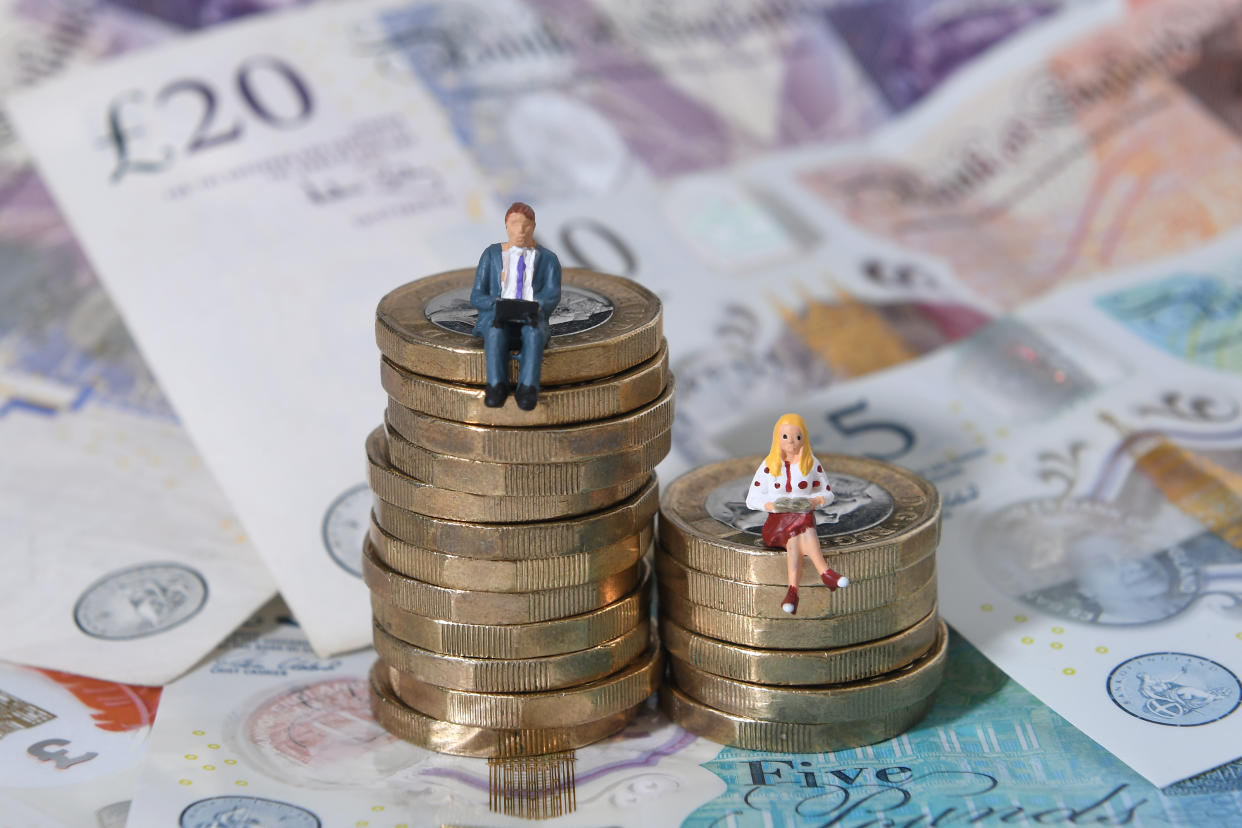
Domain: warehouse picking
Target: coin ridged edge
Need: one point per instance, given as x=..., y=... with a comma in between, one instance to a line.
x=764, y=600
x=558, y=405
x=510, y=675
x=863, y=554
x=800, y=667
x=481, y=607
x=567, y=706
x=524, y=479
x=762, y=565
x=793, y=633
x=464, y=572
x=465, y=740
x=609, y=526
x=851, y=701
x=534, y=640
x=786, y=737
x=532, y=444
x=638, y=338
x=409, y=493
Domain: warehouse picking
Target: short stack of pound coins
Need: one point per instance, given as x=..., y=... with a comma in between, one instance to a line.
x=853, y=666
x=506, y=552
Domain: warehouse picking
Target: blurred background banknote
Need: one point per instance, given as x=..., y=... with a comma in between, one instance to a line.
x=817, y=192
x=123, y=559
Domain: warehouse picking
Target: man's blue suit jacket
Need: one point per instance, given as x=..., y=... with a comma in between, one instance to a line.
x=545, y=284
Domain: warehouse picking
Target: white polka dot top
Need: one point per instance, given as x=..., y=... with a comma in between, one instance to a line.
x=787, y=481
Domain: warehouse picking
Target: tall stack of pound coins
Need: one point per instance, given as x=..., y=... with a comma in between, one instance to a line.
x=506, y=552
x=853, y=666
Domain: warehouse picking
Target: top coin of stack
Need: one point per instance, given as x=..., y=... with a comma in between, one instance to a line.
x=854, y=665
x=505, y=553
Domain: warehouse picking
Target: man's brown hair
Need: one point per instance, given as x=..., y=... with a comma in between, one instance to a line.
x=520, y=207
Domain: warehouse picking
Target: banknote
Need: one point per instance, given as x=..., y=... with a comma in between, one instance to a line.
x=1088, y=449
x=1114, y=148
x=124, y=560
x=264, y=341
x=264, y=731
x=70, y=748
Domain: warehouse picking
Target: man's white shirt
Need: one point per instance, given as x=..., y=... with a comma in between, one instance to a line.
x=508, y=274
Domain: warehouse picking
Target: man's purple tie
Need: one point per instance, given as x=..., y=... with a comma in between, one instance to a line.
x=521, y=273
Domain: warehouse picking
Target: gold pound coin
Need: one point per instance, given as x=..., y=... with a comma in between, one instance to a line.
x=525, y=479
x=617, y=527
x=410, y=493
x=764, y=600
x=786, y=737
x=466, y=740
x=481, y=607
x=566, y=707
x=799, y=667
x=852, y=701
x=536, y=445
x=793, y=632
x=510, y=675
x=558, y=405
x=883, y=519
x=603, y=326
x=542, y=638
x=461, y=572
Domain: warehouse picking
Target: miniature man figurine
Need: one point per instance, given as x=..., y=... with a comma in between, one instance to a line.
x=516, y=288
x=790, y=485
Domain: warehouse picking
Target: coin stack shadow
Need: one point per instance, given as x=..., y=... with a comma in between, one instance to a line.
x=851, y=667
x=506, y=551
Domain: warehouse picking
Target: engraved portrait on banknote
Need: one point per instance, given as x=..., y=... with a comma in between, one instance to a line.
x=139, y=601
x=1126, y=550
x=580, y=309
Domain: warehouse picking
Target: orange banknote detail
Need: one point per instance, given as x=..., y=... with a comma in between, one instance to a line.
x=1119, y=148
x=118, y=707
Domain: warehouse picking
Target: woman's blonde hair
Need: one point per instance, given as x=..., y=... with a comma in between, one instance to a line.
x=774, y=462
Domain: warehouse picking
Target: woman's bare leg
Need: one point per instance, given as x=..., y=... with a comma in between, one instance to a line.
x=808, y=544
x=793, y=560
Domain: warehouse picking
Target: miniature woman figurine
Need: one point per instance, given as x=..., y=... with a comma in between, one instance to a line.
x=790, y=485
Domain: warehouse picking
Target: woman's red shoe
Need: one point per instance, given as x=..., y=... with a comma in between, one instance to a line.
x=790, y=604
x=834, y=581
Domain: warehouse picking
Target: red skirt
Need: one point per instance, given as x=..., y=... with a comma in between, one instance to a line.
x=779, y=528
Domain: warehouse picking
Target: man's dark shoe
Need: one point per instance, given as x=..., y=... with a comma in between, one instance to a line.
x=526, y=396
x=495, y=395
